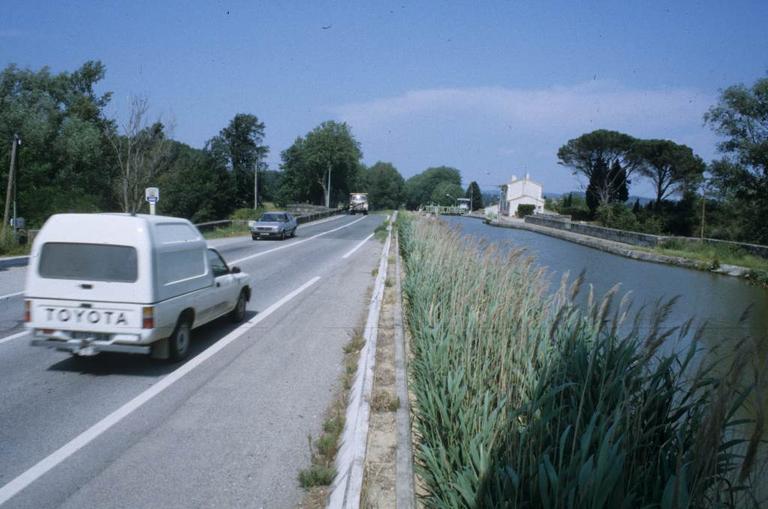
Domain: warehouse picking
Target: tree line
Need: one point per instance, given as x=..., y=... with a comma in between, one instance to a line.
x=727, y=198
x=74, y=158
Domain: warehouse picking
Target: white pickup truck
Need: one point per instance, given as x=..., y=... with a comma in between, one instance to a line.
x=126, y=283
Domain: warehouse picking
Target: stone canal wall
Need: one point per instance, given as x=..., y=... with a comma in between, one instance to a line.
x=635, y=238
x=619, y=248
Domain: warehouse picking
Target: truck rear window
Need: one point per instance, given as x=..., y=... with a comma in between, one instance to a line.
x=90, y=262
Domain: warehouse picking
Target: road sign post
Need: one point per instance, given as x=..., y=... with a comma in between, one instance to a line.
x=152, y=195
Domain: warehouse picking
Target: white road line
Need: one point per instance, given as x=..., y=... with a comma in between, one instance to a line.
x=351, y=251
x=11, y=295
x=262, y=253
x=83, y=439
x=14, y=336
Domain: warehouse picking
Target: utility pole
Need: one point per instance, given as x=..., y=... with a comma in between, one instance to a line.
x=256, y=184
x=328, y=191
x=703, y=209
x=16, y=141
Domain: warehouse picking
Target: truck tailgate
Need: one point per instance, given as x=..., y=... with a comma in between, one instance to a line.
x=84, y=316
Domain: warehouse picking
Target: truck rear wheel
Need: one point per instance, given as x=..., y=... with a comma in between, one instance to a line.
x=178, y=343
x=238, y=313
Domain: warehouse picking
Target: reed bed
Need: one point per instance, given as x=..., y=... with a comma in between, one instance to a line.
x=525, y=399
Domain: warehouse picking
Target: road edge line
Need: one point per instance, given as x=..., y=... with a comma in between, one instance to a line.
x=350, y=460
x=45, y=465
x=14, y=336
x=358, y=246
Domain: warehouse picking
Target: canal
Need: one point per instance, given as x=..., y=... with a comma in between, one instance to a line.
x=715, y=299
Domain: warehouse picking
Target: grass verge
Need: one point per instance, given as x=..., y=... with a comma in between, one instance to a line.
x=524, y=399
x=235, y=230
x=713, y=255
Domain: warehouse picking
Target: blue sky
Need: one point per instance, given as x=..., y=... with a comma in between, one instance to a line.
x=492, y=88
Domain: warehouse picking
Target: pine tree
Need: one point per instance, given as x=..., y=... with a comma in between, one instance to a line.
x=617, y=179
x=597, y=183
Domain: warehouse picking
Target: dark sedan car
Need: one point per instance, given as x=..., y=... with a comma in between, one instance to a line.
x=274, y=225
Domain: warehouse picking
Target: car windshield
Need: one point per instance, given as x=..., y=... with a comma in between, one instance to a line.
x=271, y=218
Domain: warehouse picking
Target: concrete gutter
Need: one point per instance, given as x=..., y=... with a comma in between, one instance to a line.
x=621, y=249
x=404, y=484
x=350, y=461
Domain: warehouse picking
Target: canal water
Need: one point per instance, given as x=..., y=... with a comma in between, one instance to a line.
x=715, y=299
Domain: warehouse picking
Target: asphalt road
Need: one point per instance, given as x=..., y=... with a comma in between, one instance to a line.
x=228, y=428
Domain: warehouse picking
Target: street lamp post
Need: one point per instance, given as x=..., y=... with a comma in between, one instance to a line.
x=16, y=142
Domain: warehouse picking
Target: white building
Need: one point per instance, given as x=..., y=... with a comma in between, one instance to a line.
x=521, y=192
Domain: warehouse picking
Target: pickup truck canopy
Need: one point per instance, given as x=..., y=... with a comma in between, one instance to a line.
x=117, y=258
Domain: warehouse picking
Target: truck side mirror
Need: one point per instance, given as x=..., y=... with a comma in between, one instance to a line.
x=235, y=269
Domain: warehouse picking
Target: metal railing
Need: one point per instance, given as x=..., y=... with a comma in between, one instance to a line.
x=302, y=218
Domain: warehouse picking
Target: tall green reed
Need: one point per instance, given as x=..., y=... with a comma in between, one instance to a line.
x=526, y=399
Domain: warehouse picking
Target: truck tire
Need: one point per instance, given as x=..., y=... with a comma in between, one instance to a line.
x=178, y=343
x=238, y=313
x=254, y=236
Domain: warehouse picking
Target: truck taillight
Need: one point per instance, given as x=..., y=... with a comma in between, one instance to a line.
x=148, y=317
x=27, y=311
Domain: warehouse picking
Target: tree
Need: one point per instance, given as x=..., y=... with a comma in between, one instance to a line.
x=597, y=179
x=143, y=153
x=65, y=162
x=445, y=193
x=420, y=187
x=197, y=186
x=475, y=195
x=618, y=189
x=239, y=146
x=384, y=185
x=327, y=153
x=741, y=176
x=598, y=151
x=671, y=167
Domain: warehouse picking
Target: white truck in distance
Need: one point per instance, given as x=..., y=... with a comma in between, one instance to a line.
x=126, y=283
x=358, y=202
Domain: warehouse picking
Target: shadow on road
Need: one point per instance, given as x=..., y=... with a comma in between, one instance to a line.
x=107, y=363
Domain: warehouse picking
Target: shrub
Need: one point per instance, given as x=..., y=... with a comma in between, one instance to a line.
x=525, y=210
x=247, y=214
x=617, y=215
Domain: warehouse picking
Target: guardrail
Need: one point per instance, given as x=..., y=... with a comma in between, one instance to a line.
x=304, y=218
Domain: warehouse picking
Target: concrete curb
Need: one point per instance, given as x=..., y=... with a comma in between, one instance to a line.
x=404, y=487
x=350, y=461
x=617, y=248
